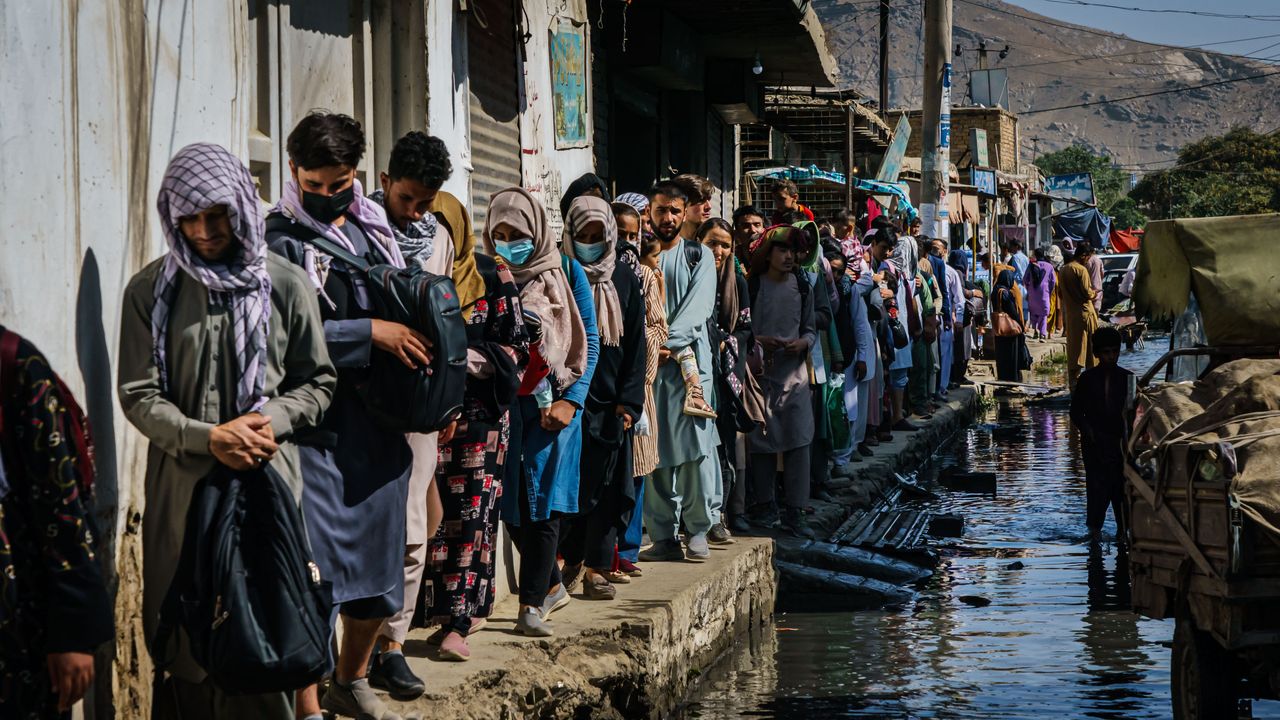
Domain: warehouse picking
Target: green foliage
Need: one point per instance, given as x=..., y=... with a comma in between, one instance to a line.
x=1125, y=214
x=1108, y=182
x=1233, y=174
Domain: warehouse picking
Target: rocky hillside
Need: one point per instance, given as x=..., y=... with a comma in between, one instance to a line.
x=1052, y=63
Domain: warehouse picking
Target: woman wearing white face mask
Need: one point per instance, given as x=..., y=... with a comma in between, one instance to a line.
x=542, y=469
x=614, y=403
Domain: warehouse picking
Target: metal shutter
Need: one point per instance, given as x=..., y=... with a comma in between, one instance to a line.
x=494, y=102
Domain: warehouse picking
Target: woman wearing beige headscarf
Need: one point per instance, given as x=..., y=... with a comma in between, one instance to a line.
x=542, y=472
x=606, y=492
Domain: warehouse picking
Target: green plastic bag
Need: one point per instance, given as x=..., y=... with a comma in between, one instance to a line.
x=837, y=420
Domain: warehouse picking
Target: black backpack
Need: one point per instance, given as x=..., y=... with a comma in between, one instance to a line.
x=246, y=592
x=400, y=399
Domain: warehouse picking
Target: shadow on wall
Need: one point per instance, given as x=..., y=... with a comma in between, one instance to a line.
x=99, y=391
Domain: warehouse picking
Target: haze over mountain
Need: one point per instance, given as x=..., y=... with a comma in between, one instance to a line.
x=1053, y=64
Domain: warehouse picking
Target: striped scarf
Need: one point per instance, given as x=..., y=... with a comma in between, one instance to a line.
x=199, y=177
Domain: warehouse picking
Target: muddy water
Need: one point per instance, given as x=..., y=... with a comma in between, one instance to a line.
x=1057, y=639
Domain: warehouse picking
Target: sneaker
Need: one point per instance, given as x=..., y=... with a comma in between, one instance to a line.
x=844, y=471
x=596, y=587
x=629, y=568
x=719, y=535
x=356, y=700
x=794, y=521
x=555, y=601
x=390, y=671
x=698, y=549
x=455, y=648
x=531, y=623
x=663, y=551
x=739, y=524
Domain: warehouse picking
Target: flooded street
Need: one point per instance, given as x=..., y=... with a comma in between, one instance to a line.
x=1057, y=638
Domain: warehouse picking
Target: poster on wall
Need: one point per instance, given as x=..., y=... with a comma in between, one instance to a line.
x=569, y=85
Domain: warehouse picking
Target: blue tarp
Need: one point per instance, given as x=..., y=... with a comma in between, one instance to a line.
x=813, y=172
x=1084, y=224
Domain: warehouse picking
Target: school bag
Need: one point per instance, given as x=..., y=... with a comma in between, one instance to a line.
x=402, y=399
x=246, y=592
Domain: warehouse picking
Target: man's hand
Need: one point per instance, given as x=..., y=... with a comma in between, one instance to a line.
x=446, y=435
x=624, y=416
x=69, y=676
x=769, y=343
x=859, y=370
x=243, y=443
x=558, y=416
x=411, y=346
x=664, y=354
x=796, y=347
x=885, y=293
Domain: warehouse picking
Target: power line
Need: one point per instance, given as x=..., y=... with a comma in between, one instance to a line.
x=1172, y=11
x=1152, y=94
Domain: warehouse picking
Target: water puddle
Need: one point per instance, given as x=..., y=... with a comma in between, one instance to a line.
x=1044, y=629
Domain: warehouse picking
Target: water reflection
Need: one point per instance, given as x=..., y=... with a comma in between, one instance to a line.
x=1057, y=638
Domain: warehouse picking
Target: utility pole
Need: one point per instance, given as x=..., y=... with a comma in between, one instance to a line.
x=936, y=120
x=884, y=60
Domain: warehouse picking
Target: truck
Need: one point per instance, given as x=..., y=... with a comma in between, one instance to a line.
x=1202, y=461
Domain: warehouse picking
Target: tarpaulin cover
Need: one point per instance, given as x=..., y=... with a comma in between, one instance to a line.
x=1229, y=419
x=1125, y=241
x=1088, y=223
x=1230, y=264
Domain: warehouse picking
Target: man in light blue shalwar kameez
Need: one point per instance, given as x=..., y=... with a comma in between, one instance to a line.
x=686, y=485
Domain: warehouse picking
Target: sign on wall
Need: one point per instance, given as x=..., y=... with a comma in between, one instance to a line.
x=891, y=165
x=569, y=85
x=984, y=180
x=1077, y=186
x=978, y=145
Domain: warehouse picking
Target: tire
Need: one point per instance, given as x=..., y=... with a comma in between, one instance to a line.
x=1205, y=684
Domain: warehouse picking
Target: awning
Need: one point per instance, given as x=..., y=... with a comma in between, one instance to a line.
x=813, y=174
x=1125, y=241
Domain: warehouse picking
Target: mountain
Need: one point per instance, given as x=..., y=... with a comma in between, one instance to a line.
x=1052, y=64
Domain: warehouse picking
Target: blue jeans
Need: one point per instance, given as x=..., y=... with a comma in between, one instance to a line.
x=629, y=543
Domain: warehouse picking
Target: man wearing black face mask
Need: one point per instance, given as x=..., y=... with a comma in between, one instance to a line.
x=355, y=474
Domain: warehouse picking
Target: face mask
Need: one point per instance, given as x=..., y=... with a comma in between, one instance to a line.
x=589, y=252
x=328, y=209
x=516, y=252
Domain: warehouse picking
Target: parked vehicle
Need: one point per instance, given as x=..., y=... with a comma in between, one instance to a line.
x=1202, y=487
x=1114, y=268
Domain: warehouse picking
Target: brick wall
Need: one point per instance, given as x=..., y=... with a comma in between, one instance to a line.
x=1002, y=137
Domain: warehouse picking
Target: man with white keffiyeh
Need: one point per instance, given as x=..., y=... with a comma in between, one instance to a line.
x=222, y=360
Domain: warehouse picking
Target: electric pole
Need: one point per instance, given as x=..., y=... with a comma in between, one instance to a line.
x=936, y=120
x=884, y=59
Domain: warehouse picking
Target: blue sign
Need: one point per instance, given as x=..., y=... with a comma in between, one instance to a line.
x=984, y=180
x=944, y=131
x=946, y=75
x=1076, y=186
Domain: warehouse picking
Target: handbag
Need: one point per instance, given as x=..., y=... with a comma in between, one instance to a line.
x=1004, y=323
x=399, y=398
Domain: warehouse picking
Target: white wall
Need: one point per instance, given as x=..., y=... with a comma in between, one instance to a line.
x=447, y=90
x=546, y=170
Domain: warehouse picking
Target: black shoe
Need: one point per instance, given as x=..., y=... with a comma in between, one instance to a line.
x=390, y=672
x=822, y=494
x=864, y=451
x=904, y=425
x=764, y=517
x=739, y=525
x=794, y=521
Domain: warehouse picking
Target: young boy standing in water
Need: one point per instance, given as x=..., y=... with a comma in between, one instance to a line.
x=1097, y=411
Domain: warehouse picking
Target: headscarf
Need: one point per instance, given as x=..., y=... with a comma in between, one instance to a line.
x=467, y=279
x=774, y=235
x=635, y=200
x=199, y=177
x=577, y=188
x=368, y=214
x=417, y=242
x=1054, y=253
x=544, y=288
x=728, y=302
x=808, y=241
x=958, y=260
x=1004, y=281
x=582, y=212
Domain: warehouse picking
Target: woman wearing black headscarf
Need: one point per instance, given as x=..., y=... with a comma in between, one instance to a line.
x=588, y=184
x=1010, y=349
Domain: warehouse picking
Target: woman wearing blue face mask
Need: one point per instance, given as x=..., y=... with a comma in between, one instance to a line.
x=606, y=492
x=541, y=475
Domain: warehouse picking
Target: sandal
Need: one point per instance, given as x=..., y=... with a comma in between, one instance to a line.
x=615, y=577
x=570, y=577
x=629, y=568
x=695, y=404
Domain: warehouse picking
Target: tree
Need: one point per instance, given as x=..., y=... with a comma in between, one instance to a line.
x=1233, y=174
x=1108, y=181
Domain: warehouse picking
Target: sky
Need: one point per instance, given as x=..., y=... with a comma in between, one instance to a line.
x=1177, y=29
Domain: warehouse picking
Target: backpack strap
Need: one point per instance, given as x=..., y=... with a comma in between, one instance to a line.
x=282, y=224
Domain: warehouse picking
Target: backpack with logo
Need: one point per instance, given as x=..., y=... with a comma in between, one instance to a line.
x=246, y=593
x=402, y=399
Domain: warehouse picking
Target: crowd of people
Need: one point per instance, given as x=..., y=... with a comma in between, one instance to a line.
x=653, y=369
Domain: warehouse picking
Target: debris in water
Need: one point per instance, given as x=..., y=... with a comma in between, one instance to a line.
x=978, y=482
x=810, y=589
x=855, y=561
x=946, y=526
x=1015, y=565
x=974, y=600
